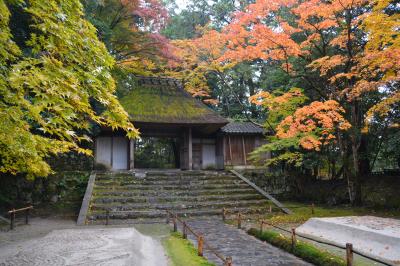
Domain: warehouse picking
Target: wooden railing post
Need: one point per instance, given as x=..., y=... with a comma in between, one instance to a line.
x=349, y=254
x=27, y=216
x=239, y=220
x=12, y=219
x=200, y=242
x=184, y=231
x=223, y=214
x=228, y=261
x=175, y=224
x=107, y=216
x=261, y=226
x=312, y=209
x=293, y=238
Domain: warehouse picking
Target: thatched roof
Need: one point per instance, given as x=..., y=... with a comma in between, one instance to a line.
x=164, y=100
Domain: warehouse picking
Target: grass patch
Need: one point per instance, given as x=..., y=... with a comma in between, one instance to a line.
x=303, y=250
x=182, y=253
x=302, y=212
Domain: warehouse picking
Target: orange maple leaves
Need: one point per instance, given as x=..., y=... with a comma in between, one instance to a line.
x=315, y=123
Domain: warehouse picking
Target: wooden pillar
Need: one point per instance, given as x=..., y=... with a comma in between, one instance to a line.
x=244, y=151
x=132, y=154
x=230, y=150
x=190, y=149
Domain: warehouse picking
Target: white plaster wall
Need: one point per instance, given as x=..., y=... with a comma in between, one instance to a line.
x=103, y=151
x=120, y=153
x=112, y=152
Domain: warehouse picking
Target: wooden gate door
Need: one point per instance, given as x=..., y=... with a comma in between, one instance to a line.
x=196, y=156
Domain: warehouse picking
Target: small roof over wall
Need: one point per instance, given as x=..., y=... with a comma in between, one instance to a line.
x=164, y=101
x=242, y=128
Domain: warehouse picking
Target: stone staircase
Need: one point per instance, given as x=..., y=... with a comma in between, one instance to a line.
x=142, y=197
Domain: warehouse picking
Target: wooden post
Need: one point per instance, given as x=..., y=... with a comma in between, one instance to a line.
x=244, y=151
x=261, y=226
x=270, y=208
x=131, y=154
x=223, y=214
x=312, y=209
x=230, y=149
x=239, y=221
x=200, y=243
x=184, y=231
x=349, y=254
x=175, y=225
x=107, y=217
x=190, y=148
x=293, y=238
x=228, y=261
x=12, y=219
x=26, y=216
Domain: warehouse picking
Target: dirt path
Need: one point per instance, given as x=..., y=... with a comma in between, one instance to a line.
x=60, y=242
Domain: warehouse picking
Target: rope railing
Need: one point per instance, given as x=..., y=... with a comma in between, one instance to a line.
x=12, y=214
x=348, y=247
x=201, y=243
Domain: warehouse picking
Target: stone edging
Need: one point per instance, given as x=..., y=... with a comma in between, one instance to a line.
x=86, y=200
x=262, y=192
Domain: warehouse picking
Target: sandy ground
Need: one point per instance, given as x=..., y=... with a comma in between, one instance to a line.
x=374, y=236
x=61, y=242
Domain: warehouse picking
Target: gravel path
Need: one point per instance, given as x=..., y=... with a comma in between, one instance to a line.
x=243, y=248
x=39, y=244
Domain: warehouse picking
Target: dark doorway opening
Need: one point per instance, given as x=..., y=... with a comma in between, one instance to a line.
x=152, y=152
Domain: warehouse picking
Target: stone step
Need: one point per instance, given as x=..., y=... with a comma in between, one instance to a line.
x=168, y=182
x=152, y=214
x=171, y=198
x=176, y=205
x=200, y=192
x=166, y=177
x=171, y=187
x=179, y=205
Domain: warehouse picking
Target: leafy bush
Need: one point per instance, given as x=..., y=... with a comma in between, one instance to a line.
x=302, y=250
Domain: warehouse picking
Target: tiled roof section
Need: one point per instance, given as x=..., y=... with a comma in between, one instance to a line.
x=242, y=128
x=164, y=100
x=159, y=81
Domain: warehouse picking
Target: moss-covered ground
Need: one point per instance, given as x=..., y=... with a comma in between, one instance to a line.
x=182, y=253
x=302, y=212
x=303, y=250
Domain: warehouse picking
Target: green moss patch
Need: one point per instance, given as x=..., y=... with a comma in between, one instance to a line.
x=182, y=253
x=303, y=250
x=163, y=104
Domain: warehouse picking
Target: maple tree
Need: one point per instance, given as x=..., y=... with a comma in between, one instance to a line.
x=47, y=90
x=338, y=51
x=131, y=31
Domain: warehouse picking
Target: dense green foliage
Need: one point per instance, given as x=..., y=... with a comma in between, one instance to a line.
x=302, y=249
x=60, y=193
x=53, y=70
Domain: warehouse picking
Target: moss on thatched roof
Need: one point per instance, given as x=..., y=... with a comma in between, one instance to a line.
x=163, y=100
